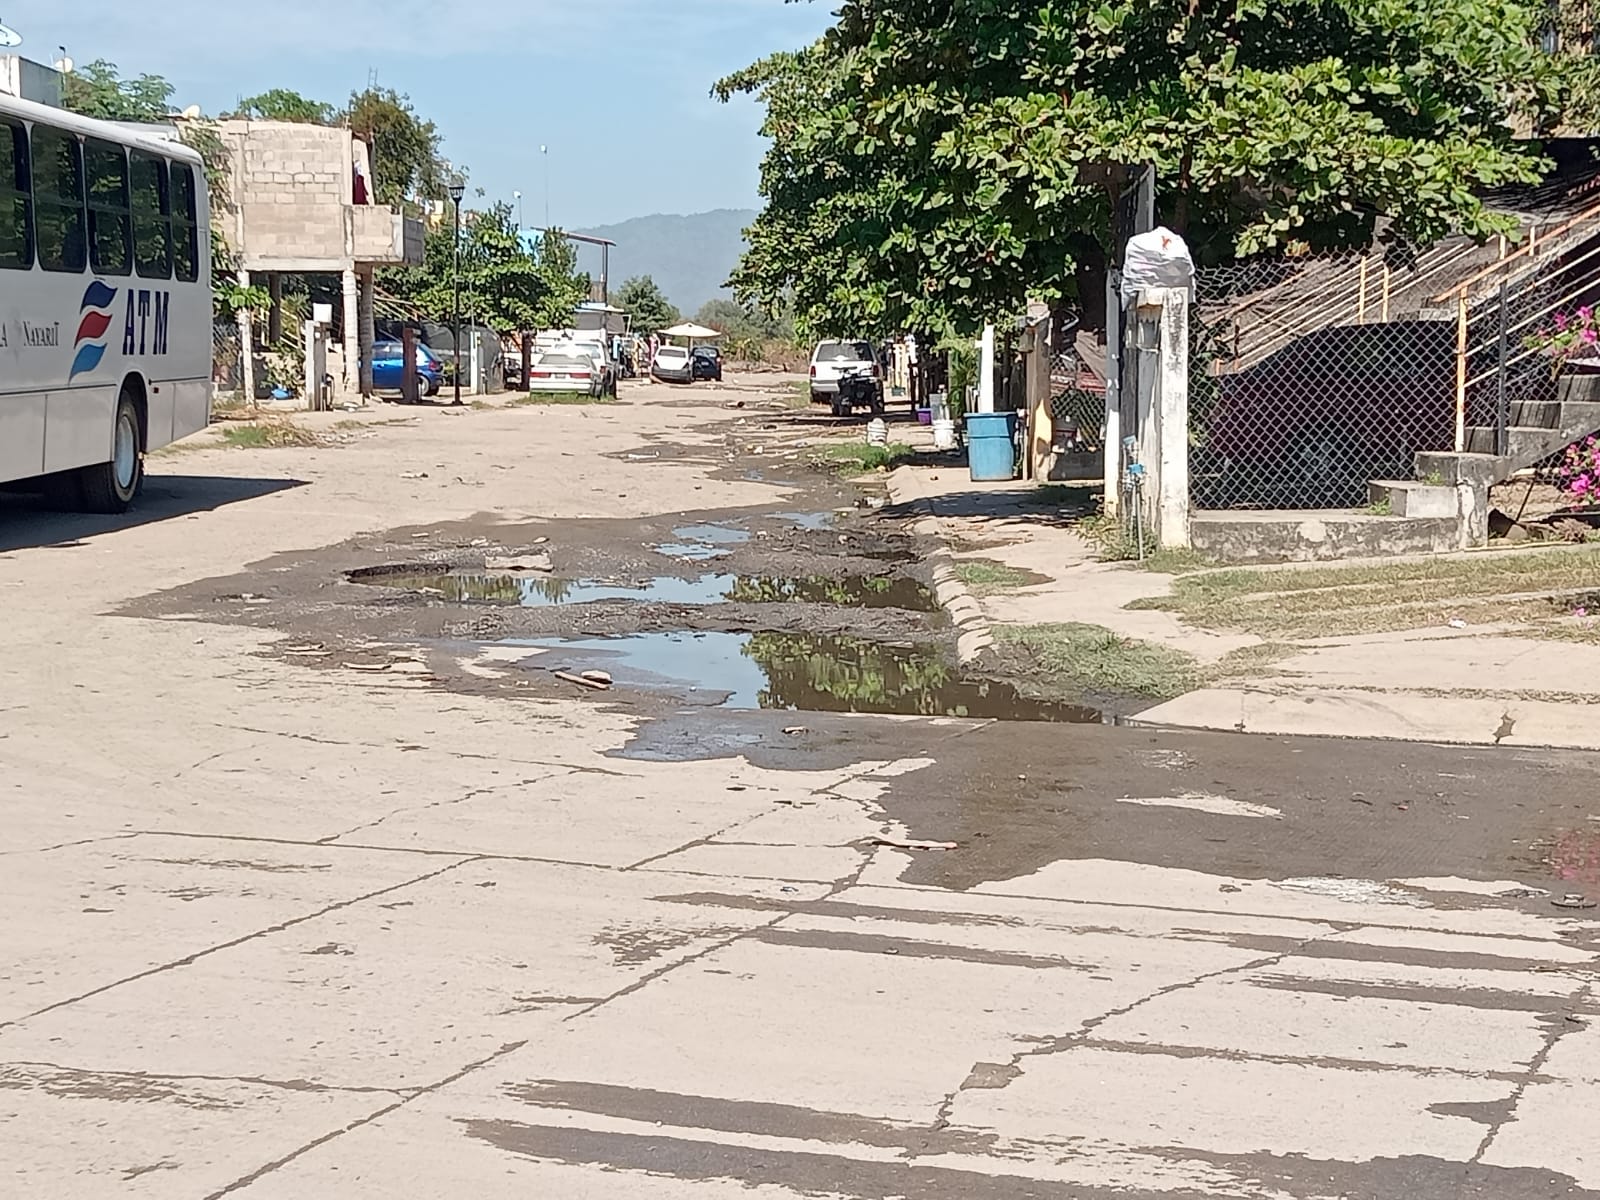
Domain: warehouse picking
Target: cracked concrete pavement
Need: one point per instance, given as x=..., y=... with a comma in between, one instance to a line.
x=278, y=933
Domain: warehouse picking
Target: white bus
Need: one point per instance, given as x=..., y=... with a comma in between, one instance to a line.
x=105, y=302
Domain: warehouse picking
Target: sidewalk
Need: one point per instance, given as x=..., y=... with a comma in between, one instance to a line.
x=1499, y=680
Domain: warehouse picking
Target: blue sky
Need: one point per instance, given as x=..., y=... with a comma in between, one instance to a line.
x=618, y=89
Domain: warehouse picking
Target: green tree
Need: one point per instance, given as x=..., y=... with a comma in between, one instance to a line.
x=98, y=90
x=742, y=321
x=1570, y=33
x=565, y=286
x=282, y=104
x=405, y=148
x=502, y=284
x=935, y=162
x=647, y=305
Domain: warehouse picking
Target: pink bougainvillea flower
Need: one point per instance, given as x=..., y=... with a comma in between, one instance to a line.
x=1590, y=337
x=1561, y=322
x=1580, y=485
x=1585, y=313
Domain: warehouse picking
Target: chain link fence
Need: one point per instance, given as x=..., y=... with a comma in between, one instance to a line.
x=1312, y=376
x=227, y=365
x=1512, y=386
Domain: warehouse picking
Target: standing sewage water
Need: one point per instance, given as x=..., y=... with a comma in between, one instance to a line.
x=798, y=671
x=546, y=591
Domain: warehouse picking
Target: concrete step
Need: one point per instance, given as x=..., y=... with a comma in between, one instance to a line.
x=1536, y=413
x=1318, y=535
x=1523, y=443
x=1409, y=498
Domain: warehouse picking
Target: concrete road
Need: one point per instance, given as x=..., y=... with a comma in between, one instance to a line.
x=279, y=933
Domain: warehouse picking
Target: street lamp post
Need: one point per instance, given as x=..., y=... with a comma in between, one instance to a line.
x=517, y=196
x=457, y=190
x=544, y=154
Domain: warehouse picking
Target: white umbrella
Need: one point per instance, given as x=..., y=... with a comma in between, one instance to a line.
x=691, y=331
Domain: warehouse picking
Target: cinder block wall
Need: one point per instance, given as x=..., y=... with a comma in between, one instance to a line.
x=292, y=191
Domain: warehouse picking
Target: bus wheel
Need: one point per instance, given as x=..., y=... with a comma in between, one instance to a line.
x=111, y=487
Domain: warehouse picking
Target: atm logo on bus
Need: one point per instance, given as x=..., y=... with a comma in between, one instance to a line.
x=94, y=319
x=144, y=327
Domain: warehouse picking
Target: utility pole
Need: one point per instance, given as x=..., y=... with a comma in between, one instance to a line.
x=457, y=190
x=544, y=153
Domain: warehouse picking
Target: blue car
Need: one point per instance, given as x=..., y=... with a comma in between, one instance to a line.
x=388, y=368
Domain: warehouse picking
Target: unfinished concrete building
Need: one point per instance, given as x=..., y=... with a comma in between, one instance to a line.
x=302, y=203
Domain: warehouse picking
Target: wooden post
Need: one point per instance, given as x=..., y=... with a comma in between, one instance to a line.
x=1361, y=294
x=1461, y=373
x=1386, y=291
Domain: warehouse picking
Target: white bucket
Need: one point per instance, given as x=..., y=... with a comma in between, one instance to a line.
x=944, y=433
x=877, y=432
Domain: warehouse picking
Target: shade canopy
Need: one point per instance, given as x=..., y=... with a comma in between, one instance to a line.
x=690, y=330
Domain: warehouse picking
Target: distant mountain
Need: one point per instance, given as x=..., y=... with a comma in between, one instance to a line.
x=689, y=257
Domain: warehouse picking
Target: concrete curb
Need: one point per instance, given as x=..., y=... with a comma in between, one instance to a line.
x=974, y=634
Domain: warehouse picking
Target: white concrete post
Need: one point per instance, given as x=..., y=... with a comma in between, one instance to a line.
x=1162, y=321
x=475, y=375
x=986, y=370
x=351, y=381
x=316, y=364
x=247, y=356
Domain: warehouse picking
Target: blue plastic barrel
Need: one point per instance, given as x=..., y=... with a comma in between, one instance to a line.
x=992, y=445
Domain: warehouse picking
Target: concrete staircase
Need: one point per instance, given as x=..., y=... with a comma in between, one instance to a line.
x=1537, y=430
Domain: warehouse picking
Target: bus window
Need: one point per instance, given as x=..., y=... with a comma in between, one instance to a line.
x=16, y=199
x=152, y=210
x=185, y=224
x=110, y=222
x=58, y=200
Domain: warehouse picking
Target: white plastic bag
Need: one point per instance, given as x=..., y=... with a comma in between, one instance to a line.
x=1158, y=259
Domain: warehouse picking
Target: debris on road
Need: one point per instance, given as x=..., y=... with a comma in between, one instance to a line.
x=581, y=681
x=912, y=843
x=520, y=562
x=1574, y=900
x=597, y=677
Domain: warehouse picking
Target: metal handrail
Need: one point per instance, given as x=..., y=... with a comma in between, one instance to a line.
x=1530, y=248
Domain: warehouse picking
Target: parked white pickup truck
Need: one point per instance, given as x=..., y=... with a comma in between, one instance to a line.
x=832, y=359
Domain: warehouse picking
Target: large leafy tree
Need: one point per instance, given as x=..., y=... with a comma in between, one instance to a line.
x=935, y=162
x=99, y=90
x=646, y=304
x=405, y=147
x=502, y=283
x=282, y=104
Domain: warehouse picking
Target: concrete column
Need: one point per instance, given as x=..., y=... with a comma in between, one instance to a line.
x=247, y=356
x=1162, y=321
x=316, y=366
x=275, y=313
x=364, y=327
x=986, y=370
x=352, y=332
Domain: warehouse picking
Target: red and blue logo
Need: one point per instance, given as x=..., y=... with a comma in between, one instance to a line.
x=93, y=322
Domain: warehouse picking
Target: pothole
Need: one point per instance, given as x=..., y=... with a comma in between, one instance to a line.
x=545, y=591
x=798, y=672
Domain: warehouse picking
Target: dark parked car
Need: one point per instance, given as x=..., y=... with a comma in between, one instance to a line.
x=706, y=363
x=388, y=368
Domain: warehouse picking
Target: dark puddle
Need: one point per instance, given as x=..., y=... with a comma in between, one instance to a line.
x=800, y=672
x=544, y=591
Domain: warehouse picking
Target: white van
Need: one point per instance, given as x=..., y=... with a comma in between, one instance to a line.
x=831, y=359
